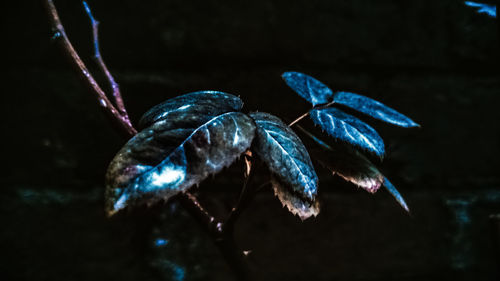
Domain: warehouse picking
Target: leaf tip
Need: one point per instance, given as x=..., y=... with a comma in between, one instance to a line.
x=395, y=193
x=116, y=204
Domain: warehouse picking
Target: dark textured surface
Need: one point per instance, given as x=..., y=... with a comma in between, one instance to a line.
x=435, y=61
x=349, y=129
x=285, y=155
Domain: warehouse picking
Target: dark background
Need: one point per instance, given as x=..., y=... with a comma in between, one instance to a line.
x=435, y=61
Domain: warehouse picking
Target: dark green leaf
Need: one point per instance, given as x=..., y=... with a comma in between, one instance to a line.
x=348, y=128
x=374, y=109
x=307, y=87
x=163, y=160
x=186, y=108
x=285, y=155
x=351, y=165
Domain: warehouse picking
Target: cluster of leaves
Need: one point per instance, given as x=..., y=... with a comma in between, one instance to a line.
x=185, y=139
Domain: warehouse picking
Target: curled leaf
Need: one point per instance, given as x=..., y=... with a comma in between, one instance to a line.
x=191, y=106
x=166, y=158
x=285, y=154
x=348, y=163
x=348, y=128
x=294, y=203
x=395, y=193
x=374, y=109
x=308, y=87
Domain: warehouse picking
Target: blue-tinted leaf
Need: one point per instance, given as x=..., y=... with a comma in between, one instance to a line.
x=162, y=160
x=348, y=163
x=348, y=128
x=191, y=106
x=295, y=204
x=285, y=155
x=490, y=10
x=307, y=87
x=395, y=193
x=373, y=108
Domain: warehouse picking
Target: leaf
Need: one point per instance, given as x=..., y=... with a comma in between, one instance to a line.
x=307, y=87
x=490, y=10
x=395, y=193
x=191, y=106
x=348, y=163
x=348, y=128
x=285, y=154
x=162, y=161
x=294, y=203
x=374, y=109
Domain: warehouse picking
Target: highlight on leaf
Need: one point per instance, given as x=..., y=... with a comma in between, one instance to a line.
x=294, y=203
x=284, y=154
x=308, y=87
x=395, y=193
x=192, y=105
x=349, y=129
x=171, y=155
x=374, y=109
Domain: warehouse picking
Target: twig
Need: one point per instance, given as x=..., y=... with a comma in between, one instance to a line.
x=97, y=55
x=246, y=195
x=60, y=35
x=298, y=119
x=307, y=113
x=191, y=204
x=223, y=239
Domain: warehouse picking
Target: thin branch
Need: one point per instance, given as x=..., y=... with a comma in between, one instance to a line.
x=191, y=204
x=245, y=194
x=122, y=122
x=97, y=55
x=307, y=113
x=298, y=119
x=223, y=239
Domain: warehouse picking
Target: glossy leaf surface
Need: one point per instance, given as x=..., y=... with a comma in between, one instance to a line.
x=395, y=193
x=163, y=160
x=190, y=107
x=294, y=203
x=308, y=87
x=285, y=154
x=349, y=164
x=348, y=128
x=374, y=109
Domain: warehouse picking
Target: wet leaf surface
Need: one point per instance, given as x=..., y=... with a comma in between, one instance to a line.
x=285, y=154
x=308, y=87
x=348, y=128
x=296, y=205
x=374, y=109
x=167, y=158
